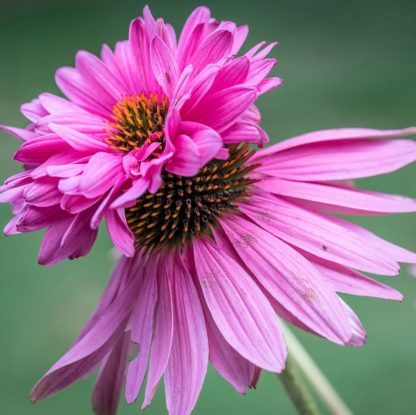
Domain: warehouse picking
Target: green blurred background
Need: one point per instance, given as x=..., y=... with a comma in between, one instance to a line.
x=345, y=64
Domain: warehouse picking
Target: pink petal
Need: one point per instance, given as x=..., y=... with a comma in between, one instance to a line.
x=293, y=281
x=348, y=281
x=340, y=160
x=186, y=160
x=188, y=359
x=107, y=389
x=234, y=368
x=199, y=87
x=164, y=66
x=85, y=354
x=209, y=143
x=65, y=170
x=259, y=70
x=318, y=234
x=240, y=37
x=247, y=322
x=198, y=17
x=354, y=200
x=43, y=192
x=50, y=251
x=38, y=150
x=79, y=238
x=20, y=133
x=214, y=48
x=87, y=123
x=75, y=203
x=78, y=90
x=268, y=84
x=32, y=218
x=106, y=86
x=101, y=173
x=119, y=232
x=241, y=132
x=134, y=192
x=162, y=337
x=141, y=326
x=231, y=74
x=33, y=110
x=57, y=105
x=140, y=48
x=79, y=141
x=335, y=135
x=359, y=335
x=220, y=110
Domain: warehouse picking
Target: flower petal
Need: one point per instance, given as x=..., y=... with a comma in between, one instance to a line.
x=88, y=351
x=239, y=309
x=162, y=337
x=102, y=172
x=319, y=234
x=291, y=279
x=119, y=232
x=136, y=190
x=164, y=66
x=79, y=141
x=141, y=326
x=215, y=47
x=107, y=389
x=186, y=160
x=188, y=359
x=220, y=110
x=349, y=199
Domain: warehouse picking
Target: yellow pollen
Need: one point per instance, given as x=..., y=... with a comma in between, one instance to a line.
x=137, y=119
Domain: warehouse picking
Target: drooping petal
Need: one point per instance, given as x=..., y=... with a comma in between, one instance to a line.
x=291, y=279
x=349, y=281
x=319, y=234
x=163, y=336
x=141, y=325
x=343, y=134
x=234, y=368
x=107, y=389
x=332, y=196
x=247, y=322
x=188, y=359
x=90, y=349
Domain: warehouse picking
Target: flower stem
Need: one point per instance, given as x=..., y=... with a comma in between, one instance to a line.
x=314, y=376
x=296, y=389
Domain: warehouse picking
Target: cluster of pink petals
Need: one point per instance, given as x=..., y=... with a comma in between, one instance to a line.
x=73, y=179
x=283, y=253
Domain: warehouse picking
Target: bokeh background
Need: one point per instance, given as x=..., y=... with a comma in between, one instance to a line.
x=345, y=64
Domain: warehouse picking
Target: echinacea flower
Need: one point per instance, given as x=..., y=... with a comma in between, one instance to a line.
x=221, y=253
x=218, y=236
x=153, y=106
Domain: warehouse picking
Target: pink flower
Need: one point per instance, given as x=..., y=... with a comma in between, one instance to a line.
x=153, y=105
x=218, y=237
x=256, y=239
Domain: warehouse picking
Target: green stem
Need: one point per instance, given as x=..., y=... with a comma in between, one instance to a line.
x=314, y=376
x=296, y=389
